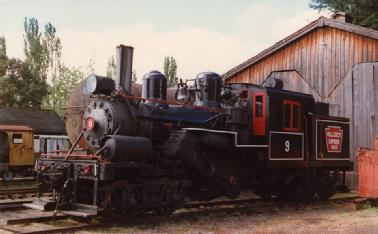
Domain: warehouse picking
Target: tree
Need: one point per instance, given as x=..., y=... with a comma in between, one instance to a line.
x=61, y=88
x=363, y=12
x=3, y=56
x=90, y=68
x=37, y=60
x=19, y=88
x=170, y=71
x=54, y=48
x=35, y=49
x=111, y=67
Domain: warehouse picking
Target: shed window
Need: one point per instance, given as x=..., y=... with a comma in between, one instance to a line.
x=17, y=139
x=291, y=116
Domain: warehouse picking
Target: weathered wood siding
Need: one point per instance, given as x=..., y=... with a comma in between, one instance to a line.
x=322, y=58
x=335, y=66
x=356, y=98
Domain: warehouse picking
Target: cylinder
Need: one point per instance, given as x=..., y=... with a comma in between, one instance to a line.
x=124, y=68
x=154, y=86
x=127, y=148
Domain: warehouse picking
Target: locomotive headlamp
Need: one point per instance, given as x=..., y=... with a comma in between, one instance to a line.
x=90, y=123
x=99, y=85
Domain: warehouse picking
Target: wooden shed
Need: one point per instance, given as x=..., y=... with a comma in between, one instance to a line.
x=335, y=61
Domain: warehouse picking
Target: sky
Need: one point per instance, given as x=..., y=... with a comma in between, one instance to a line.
x=202, y=35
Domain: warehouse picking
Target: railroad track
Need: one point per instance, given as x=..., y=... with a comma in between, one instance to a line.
x=23, y=191
x=20, y=180
x=263, y=202
x=245, y=206
x=13, y=199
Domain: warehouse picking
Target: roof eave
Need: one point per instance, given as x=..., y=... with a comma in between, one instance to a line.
x=320, y=22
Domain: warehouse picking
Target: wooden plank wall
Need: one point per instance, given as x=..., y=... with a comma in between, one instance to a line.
x=293, y=81
x=356, y=97
x=323, y=58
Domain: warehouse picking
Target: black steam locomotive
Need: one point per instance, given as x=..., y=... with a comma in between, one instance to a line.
x=149, y=154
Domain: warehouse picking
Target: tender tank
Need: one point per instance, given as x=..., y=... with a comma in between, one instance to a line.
x=209, y=86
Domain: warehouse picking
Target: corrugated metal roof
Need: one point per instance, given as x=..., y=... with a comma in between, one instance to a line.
x=42, y=121
x=320, y=22
x=15, y=128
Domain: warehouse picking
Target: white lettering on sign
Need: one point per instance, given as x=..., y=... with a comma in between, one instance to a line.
x=334, y=139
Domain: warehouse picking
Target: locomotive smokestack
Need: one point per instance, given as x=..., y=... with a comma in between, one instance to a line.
x=124, y=68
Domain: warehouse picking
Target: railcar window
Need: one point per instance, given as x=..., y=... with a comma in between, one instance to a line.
x=291, y=116
x=287, y=115
x=295, y=116
x=17, y=139
x=259, y=106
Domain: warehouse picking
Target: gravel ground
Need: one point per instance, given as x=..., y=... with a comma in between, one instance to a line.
x=314, y=218
x=318, y=217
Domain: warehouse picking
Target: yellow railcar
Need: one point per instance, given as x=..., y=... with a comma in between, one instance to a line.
x=16, y=150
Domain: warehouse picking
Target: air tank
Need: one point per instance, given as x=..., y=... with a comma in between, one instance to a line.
x=154, y=86
x=209, y=86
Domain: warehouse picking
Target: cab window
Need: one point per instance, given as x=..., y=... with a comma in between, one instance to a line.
x=17, y=138
x=291, y=116
x=259, y=106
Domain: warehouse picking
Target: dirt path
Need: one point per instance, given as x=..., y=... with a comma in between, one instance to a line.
x=314, y=218
x=318, y=217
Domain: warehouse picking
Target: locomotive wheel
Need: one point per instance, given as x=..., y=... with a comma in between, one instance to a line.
x=303, y=191
x=265, y=195
x=297, y=190
x=166, y=210
x=326, y=191
x=326, y=186
x=263, y=192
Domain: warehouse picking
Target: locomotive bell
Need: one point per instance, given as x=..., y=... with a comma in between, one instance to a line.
x=182, y=93
x=154, y=86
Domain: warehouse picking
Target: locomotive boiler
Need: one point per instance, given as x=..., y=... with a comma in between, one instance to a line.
x=149, y=154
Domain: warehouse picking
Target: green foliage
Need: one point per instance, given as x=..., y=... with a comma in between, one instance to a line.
x=24, y=83
x=19, y=88
x=111, y=67
x=36, y=50
x=54, y=48
x=90, y=68
x=3, y=56
x=170, y=71
x=61, y=88
x=363, y=12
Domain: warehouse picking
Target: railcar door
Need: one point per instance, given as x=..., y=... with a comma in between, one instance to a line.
x=21, y=149
x=259, y=113
x=4, y=152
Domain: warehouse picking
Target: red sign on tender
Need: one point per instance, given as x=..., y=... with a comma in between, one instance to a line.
x=334, y=138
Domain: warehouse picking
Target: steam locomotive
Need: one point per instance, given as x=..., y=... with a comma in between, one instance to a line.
x=150, y=154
